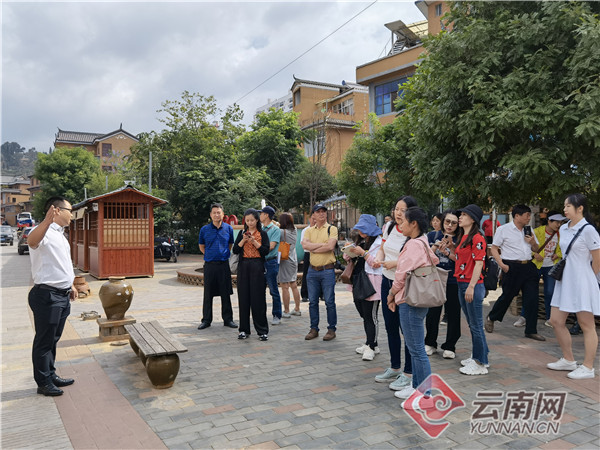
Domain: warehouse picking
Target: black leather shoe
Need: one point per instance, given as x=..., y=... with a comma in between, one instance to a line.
x=203, y=325
x=230, y=324
x=49, y=390
x=62, y=382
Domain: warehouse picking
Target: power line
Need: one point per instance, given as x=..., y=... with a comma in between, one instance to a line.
x=300, y=56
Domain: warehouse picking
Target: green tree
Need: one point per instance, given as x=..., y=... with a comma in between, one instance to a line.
x=296, y=191
x=65, y=172
x=505, y=107
x=273, y=145
x=195, y=161
x=376, y=170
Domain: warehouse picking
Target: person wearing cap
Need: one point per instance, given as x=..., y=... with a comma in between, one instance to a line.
x=320, y=241
x=469, y=262
x=367, y=244
x=520, y=273
x=547, y=255
x=271, y=260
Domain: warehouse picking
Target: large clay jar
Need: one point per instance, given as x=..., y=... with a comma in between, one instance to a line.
x=162, y=370
x=116, y=295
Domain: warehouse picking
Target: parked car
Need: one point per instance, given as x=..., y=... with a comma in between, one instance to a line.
x=22, y=245
x=6, y=235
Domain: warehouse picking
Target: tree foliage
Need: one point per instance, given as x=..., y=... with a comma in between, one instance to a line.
x=16, y=160
x=296, y=191
x=65, y=172
x=506, y=107
x=272, y=144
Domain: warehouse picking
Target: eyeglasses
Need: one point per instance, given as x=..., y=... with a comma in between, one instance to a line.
x=67, y=209
x=451, y=222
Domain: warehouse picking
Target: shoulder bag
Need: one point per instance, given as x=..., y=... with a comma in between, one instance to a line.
x=284, y=248
x=556, y=271
x=346, y=276
x=362, y=288
x=426, y=286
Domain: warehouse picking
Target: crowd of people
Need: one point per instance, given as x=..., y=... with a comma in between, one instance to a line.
x=381, y=258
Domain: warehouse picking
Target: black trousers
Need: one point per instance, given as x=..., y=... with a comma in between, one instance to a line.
x=305, y=266
x=252, y=297
x=217, y=283
x=432, y=321
x=524, y=278
x=368, y=311
x=50, y=312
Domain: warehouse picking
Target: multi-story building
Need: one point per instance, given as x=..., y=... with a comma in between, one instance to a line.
x=331, y=112
x=285, y=104
x=14, y=198
x=384, y=76
x=108, y=148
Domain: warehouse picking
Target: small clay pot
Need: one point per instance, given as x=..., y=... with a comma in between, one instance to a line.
x=116, y=295
x=162, y=370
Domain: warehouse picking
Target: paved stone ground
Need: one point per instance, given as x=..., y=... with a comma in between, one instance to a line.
x=286, y=392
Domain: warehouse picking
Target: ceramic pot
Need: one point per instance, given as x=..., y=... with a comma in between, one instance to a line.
x=83, y=289
x=162, y=370
x=116, y=295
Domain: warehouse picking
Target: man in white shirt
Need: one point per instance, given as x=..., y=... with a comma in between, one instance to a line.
x=52, y=272
x=516, y=241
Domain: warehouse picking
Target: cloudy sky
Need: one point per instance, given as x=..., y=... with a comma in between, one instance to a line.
x=91, y=66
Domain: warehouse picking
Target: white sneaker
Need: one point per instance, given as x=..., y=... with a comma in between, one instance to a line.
x=420, y=403
x=466, y=362
x=405, y=393
x=448, y=354
x=387, y=376
x=520, y=322
x=296, y=313
x=368, y=354
x=275, y=321
x=474, y=369
x=360, y=350
x=548, y=324
x=581, y=373
x=562, y=364
x=286, y=315
x=430, y=350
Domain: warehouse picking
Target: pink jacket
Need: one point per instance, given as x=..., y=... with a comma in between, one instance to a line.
x=412, y=256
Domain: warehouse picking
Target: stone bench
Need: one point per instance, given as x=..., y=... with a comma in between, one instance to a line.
x=158, y=351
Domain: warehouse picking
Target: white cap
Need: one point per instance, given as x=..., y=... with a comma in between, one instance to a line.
x=557, y=217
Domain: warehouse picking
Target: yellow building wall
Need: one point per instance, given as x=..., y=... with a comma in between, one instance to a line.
x=387, y=67
x=434, y=22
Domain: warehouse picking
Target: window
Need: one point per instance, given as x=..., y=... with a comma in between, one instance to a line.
x=297, y=97
x=315, y=147
x=385, y=94
x=106, y=149
x=438, y=10
x=345, y=107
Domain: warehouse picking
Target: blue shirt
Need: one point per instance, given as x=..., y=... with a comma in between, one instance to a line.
x=445, y=261
x=274, y=234
x=216, y=241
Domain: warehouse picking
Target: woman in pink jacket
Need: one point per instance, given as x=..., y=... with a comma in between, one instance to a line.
x=416, y=253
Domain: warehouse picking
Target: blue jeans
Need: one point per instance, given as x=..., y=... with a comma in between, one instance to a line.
x=321, y=283
x=272, y=269
x=392, y=328
x=474, y=314
x=412, y=319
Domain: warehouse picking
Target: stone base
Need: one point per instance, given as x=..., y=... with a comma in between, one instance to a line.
x=114, y=330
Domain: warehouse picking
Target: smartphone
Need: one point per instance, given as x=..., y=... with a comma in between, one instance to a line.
x=527, y=230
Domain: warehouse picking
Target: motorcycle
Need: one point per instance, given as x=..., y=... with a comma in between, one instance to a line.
x=164, y=249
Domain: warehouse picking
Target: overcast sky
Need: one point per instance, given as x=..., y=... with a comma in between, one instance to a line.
x=92, y=66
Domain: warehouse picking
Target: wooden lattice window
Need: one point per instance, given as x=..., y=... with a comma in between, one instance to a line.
x=126, y=225
x=79, y=225
x=93, y=229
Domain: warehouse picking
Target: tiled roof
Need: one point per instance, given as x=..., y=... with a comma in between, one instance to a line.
x=155, y=200
x=86, y=138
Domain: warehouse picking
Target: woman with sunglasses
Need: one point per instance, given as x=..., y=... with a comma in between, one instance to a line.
x=442, y=243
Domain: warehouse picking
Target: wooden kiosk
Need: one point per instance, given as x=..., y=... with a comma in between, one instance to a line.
x=113, y=234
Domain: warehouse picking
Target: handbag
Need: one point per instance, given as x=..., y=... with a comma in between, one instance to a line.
x=491, y=274
x=426, y=286
x=284, y=248
x=346, y=276
x=362, y=288
x=234, y=260
x=556, y=271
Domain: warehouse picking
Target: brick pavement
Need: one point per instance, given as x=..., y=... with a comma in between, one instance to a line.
x=286, y=392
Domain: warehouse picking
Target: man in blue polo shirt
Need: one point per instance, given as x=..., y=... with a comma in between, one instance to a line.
x=271, y=262
x=215, y=242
